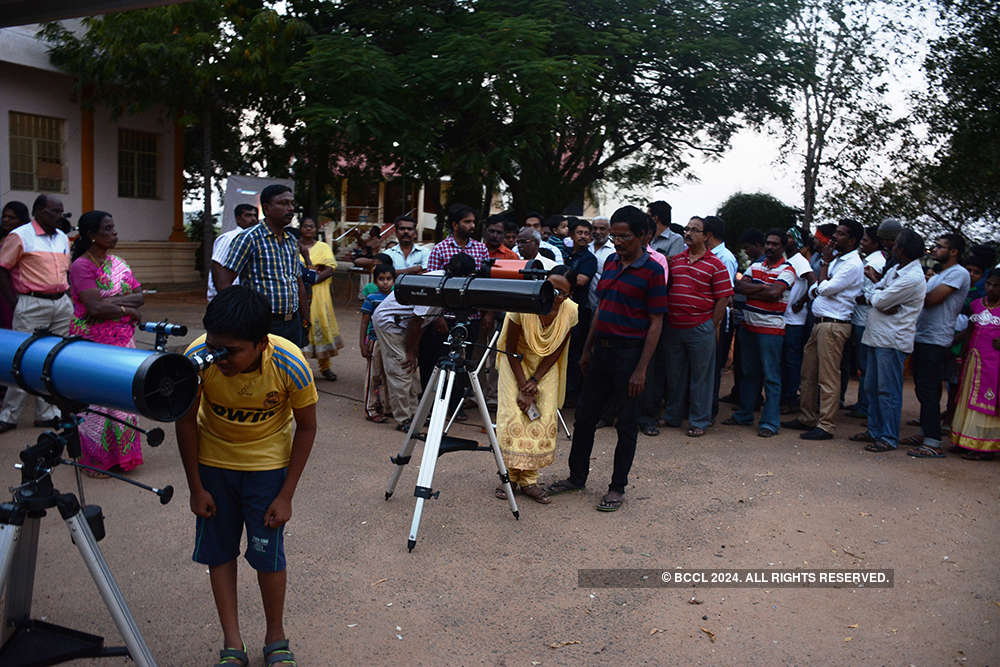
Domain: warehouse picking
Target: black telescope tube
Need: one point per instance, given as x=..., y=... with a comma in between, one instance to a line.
x=471, y=293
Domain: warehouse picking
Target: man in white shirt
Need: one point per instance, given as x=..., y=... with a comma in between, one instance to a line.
x=246, y=217
x=896, y=301
x=838, y=284
x=798, y=253
x=946, y=292
x=602, y=247
x=528, y=243
x=874, y=268
x=534, y=221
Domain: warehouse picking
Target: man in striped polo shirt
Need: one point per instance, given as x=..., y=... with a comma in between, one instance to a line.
x=623, y=336
x=697, y=297
x=766, y=285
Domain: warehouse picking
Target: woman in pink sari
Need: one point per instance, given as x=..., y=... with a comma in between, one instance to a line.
x=975, y=428
x=106, y=298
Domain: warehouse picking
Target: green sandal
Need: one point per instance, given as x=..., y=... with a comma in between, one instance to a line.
x=228, y=657
x=277, y=653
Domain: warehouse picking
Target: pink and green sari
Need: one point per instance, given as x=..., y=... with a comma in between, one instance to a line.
x=105, y=444
x=976, y=424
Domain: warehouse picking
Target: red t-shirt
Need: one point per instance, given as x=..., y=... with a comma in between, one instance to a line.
x=694, y=288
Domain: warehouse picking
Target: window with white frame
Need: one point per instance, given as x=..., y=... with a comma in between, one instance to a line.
x=137, y=159
x=37, y=153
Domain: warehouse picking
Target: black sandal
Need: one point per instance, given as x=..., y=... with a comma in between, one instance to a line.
x=649, y=429
x=879, y=446
x=228, y=657
x=562, y=486
x=277, y=653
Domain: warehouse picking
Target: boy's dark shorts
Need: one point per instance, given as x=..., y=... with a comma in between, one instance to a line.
x=241, y=498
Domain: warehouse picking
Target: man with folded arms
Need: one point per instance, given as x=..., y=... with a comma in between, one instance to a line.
x=896, y=303
x=838, y=284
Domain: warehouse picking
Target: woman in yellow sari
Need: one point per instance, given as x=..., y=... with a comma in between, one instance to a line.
x=534, y=386
x=324, y=334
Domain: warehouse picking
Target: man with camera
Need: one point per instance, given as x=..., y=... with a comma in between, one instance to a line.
x=34, y=266
x=622, y=339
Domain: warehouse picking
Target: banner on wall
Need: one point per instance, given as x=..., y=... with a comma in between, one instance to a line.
x=246, y=190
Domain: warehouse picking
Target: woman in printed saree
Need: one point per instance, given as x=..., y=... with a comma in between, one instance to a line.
x=324, y=334
x=975, y=428
x=531, y=390
x=106, y=298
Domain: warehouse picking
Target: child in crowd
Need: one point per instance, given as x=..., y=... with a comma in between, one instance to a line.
x=375, y=400
x=244, y=445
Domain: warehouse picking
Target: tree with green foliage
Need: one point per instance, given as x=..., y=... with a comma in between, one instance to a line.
x=547, y=96
x=944, y=175
x=758, y=210
x=848, y=48
x=201, y=61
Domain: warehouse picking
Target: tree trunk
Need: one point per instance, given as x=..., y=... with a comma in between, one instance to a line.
x=208, y=226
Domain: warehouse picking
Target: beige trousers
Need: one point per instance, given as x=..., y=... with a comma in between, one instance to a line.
x=404, y=386
x=821, y=374
x=31, y=313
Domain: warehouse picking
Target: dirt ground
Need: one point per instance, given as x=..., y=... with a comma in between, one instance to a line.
x=484, y=588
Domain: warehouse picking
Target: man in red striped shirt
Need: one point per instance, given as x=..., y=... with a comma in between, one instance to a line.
x=766, y=284
x=696, y=303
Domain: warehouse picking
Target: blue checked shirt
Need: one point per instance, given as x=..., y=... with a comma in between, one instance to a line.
x=269, y=264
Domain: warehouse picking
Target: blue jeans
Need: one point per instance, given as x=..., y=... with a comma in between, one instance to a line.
x=791, y=361
x=760, y=358
x=884, y=392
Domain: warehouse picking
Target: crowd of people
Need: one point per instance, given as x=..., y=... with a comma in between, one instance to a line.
x=649, y=313
x=646, y=316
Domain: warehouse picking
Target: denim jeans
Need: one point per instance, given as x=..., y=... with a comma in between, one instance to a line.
x=606, y=379
x=760, y=356
x=930, y=368
x=884, y=393
x=791, y=361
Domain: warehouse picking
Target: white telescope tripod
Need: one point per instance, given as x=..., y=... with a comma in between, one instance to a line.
x=435, y=400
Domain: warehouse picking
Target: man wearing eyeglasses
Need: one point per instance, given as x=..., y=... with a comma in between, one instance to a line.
x=528, y=243
x=616, y=355
x=697, y=297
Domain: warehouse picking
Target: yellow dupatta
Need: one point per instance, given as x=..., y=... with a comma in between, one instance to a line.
x=538, y=341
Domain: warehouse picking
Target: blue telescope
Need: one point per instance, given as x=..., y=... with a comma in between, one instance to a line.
x=158, y=385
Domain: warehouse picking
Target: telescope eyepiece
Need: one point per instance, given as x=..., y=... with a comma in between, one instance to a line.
x=164, y=327
x=207, y=357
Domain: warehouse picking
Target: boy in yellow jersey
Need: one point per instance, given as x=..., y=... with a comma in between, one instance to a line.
x=244, y=445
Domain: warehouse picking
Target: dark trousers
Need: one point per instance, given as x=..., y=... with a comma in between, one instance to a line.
x=651, y=400
x=930, y=368
x=432, y=348
x=607, y=378
x=791, y=362
x=578, y=336
x=725, y=341
x=290, y=329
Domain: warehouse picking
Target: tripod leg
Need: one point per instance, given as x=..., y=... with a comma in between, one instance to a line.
x=20, y=545
x=479, y=369
x=484, y=413
x=416, y=424
x=563, y=422
x=429, y=457
x=79, y=530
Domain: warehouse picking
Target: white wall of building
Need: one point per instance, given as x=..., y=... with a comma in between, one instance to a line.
x=135, y=219
x=30, y=84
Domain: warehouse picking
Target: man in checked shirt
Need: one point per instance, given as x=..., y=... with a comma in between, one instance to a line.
x=266, y=258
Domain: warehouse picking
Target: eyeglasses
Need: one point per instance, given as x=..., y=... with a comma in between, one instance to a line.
x=694, y=230
x=559, y=292
x=621, y=237
x=526, y=241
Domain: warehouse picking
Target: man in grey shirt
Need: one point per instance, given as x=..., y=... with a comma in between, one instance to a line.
x=946, y=292
x=896, y=302
x=666, y=242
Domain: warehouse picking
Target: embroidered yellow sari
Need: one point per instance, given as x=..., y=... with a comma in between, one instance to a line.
x=526, y=444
